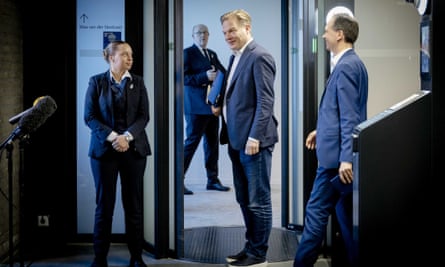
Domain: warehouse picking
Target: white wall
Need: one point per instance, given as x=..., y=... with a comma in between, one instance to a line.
x=389, y=45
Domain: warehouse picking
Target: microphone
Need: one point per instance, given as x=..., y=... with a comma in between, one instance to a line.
x=35, y=117
x=32, y=120
x=16, y=118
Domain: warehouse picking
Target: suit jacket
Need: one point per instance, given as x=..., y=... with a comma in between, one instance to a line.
x=196, y=81
x=98, y=114
x=342, y=107
x=250, y=100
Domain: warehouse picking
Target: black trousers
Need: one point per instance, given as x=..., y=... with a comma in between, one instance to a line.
x=198, y=126
x=130, y=167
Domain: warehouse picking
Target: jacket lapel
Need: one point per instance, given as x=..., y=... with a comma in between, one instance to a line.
x=240, y=66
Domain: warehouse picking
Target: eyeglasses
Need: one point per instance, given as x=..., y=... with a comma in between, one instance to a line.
x=199, y=33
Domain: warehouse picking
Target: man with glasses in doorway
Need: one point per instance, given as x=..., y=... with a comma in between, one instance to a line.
x=202, y=119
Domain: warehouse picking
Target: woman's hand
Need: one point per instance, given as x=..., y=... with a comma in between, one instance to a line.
x=120, y=143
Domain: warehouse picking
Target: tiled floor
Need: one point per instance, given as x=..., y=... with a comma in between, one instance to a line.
x=81, y=256
x=214, y=208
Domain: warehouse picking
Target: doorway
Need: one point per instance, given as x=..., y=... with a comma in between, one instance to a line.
x=214, y=208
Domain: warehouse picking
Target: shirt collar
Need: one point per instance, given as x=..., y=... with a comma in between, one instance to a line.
x=240, y=52
x=126, y=75
x=337, y=57
x=200, y=47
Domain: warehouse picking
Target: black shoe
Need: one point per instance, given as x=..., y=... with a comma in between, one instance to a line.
x=241, y=255
x=99, y=262
x=137, y=263
x=187, y=191
x=249, y=260
x=217, y=186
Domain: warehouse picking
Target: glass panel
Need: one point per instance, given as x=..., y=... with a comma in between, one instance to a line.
x=95, y=29
x=149, y=188
x=296, y=107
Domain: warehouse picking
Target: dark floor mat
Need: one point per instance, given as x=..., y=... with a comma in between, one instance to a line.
x=213, y=244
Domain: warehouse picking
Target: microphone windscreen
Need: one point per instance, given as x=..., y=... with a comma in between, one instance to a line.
x=35, y=117
x=16, y=118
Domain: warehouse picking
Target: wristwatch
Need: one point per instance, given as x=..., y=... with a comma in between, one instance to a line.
x=127, y=137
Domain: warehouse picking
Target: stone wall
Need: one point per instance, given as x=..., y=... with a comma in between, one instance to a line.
x=11, y=103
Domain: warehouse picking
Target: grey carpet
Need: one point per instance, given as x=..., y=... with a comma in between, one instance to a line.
x=212, y=244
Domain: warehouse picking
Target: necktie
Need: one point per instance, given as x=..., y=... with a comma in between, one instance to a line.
x=209, y=86
x=206, y=53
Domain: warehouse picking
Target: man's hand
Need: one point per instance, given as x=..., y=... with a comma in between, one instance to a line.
x=345, y=172
x=310, y=140
x=216, y=110
x=252, y=147
x=211, y=74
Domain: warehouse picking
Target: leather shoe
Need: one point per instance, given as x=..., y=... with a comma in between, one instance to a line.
x=249, y=261
x=236, y=257
x=187, y=191
x=137, y=263
x=217, y=186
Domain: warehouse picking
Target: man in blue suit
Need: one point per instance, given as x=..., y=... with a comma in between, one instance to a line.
x=202, y=120
x=250, y=130
x=342, y=107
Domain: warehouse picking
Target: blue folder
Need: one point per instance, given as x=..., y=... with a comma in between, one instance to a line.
x=215, y=90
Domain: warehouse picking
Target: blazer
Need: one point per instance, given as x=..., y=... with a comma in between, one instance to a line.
x=98, y=114
x=196, y=81
x=343, y=106
x=250, y=100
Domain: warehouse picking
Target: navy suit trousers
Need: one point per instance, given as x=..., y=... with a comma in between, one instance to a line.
x=197, y=127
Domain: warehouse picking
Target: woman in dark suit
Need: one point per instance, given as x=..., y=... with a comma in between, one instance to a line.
x=117, y=112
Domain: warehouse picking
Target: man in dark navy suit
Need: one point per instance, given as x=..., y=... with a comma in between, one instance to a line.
x=202, y=120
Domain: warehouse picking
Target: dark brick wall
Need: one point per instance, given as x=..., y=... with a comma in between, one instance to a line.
x=11, y=103
x=37, y=58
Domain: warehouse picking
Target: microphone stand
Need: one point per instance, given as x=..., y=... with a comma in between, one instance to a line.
x=22, y=143
x=8, y=145
x=9, y=149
